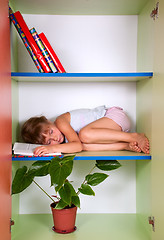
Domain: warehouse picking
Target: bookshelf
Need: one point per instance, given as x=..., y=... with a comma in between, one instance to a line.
x=147, y=172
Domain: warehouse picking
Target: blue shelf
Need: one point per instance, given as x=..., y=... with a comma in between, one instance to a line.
x=36, y=76
x=99, y=156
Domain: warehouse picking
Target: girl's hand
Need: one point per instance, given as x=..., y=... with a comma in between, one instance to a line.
x=42, y=150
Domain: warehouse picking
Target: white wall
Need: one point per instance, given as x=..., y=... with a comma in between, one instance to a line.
x=52, y=99
x=87, y=43
x=84, y=44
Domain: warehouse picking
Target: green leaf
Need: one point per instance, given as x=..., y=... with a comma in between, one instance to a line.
x=73, y=192
x=95, y=178
x=68, y=195
x=21, y=180
x=39, y=168
x=86, y=189
x=67, y=158
x=60, y=169
x=61, y=204
x=75, y=198
x=107, y=165
x=65, y=193
x=76, y=201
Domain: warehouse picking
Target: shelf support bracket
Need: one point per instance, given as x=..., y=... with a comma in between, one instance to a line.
x=11, y=223
x=152, y=222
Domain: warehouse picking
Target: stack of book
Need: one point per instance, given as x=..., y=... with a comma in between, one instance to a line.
x=37, y=45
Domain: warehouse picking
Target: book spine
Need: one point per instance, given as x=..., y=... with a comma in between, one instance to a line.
x=10, y=10
x=43, y=50
x=26, y=43
x=52, y=53
x=32, y=42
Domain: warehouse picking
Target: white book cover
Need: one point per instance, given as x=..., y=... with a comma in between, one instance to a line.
x=27, y=149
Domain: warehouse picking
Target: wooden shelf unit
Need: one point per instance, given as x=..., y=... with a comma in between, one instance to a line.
x=106, y=226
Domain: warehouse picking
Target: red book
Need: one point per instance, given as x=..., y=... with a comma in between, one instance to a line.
x=32, y=42
x=52, y=53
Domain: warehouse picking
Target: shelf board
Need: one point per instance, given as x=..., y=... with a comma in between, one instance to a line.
x=77, y=77
x=89, y=226
x=99, y=155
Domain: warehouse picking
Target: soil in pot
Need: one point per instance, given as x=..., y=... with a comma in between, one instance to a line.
x=64, y=219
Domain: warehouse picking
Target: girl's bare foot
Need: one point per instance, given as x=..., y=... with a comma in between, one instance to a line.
x=142, y=142
x=134, y=147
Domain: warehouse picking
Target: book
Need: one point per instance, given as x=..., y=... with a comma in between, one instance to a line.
x=26, y=43
x=10, y=10
x=52, y=53
x=27, y=149
x=43, y=50
x=32, y=42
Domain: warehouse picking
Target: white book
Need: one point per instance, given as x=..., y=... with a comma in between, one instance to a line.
x=27, y=149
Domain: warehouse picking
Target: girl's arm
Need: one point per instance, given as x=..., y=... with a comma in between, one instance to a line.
x=74, y=144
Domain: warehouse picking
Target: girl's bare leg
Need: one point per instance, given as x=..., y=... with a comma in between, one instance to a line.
x=111, y=147
x=106, y=131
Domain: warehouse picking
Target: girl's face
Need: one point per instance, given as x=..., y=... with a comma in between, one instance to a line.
x=53, y=135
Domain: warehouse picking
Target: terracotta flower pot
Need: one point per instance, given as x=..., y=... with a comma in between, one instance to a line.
x=64, y=219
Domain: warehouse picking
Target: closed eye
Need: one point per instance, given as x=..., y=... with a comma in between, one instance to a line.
x=48, y=142
x=51, y=131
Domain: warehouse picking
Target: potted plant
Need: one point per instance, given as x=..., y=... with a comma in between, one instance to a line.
x=66, y=200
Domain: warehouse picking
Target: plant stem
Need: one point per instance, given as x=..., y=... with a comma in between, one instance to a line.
x=78, y=192
x=92, y=170
x=43, y=190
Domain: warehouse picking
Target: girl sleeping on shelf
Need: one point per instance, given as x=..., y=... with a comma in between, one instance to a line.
x=97, y=129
